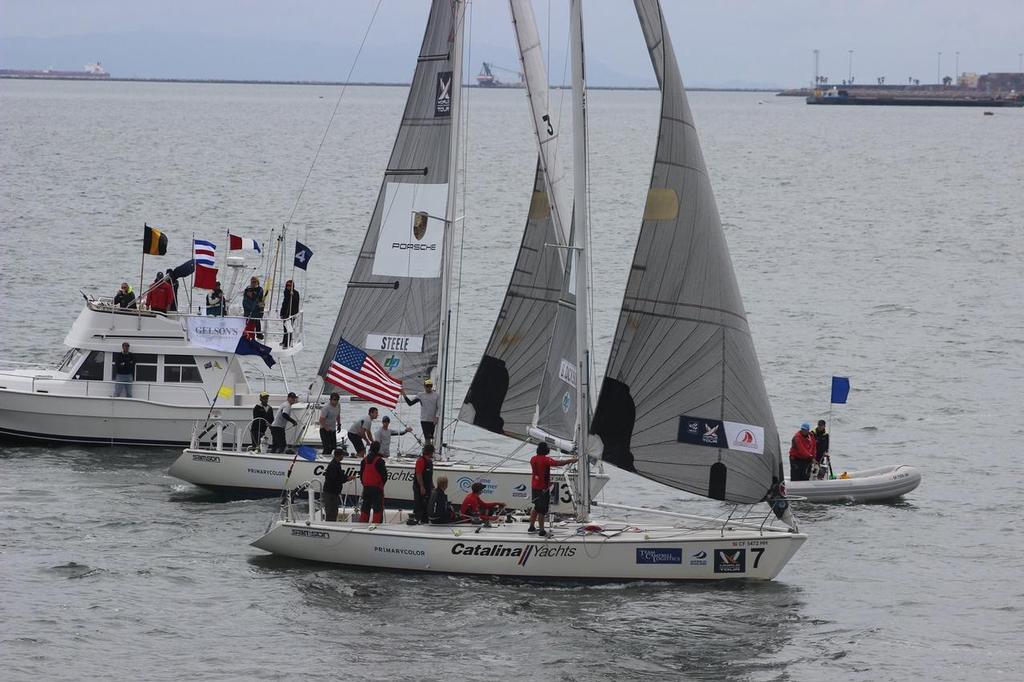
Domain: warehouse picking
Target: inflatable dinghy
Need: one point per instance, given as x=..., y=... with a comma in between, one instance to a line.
x=870, y=485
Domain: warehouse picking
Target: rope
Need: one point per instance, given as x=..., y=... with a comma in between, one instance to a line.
x=334, y=113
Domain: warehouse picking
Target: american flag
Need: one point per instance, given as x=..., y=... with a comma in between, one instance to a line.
x=362, y=376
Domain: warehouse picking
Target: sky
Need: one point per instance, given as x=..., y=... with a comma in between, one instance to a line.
x=738, y=43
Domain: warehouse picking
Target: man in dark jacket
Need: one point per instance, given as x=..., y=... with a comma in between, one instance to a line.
x=289, y=308
x=125, y=297
x=423, y=483
x=252, y=303
x=124, y=372
x=334, y=479
x=262, y=418
x=439, y=509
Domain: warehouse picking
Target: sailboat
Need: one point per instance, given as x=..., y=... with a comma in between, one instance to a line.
x=659, y=414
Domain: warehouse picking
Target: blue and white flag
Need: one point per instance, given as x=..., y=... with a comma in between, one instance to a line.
x=204, y=253
x=302, y=254
x=840, y=389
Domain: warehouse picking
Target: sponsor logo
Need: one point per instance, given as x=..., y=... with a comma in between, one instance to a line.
x=659, y=555
x=699, y=558
x=391, y=363
x=567, y=372
x=730, y=561
x=519, y=491
x=406, y=246
x=566, y=402
x=466, y=484
x=521, y=554
x=205, y=458
x=394, y=343
x=711, y=434
x=215, y=331
x=400, y=550
x=745, y=438
x=404, y=475
x=264, y=472
x=419, y=225
x=443, y=96
x=318, y=534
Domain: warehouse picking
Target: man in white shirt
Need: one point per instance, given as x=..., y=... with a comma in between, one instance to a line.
x=429, y=409
x=360, y=434
x=281, y=421
x=384, y=433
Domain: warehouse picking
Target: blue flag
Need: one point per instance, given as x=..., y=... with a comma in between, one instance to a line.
x=840, y=389
x=302, y=254
x=252, y=347
x=306, y=452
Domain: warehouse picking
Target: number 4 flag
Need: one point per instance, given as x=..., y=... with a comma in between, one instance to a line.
x=302, y=255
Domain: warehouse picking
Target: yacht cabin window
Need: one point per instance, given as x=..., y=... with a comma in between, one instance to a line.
x=70, y=359
x=92, y=368
x=181, y=369
x=145, y=366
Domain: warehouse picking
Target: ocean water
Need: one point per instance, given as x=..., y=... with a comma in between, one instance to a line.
x=883, y=244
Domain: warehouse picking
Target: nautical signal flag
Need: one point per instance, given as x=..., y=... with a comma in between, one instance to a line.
x=247, y=346
x=302, y=255
x=204, y=252
x=840, y=389
x=154, y=242
x=206, y=278
x=362, y=376
x=236, y=243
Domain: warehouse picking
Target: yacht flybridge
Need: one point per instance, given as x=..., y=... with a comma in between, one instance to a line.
x=176, y=383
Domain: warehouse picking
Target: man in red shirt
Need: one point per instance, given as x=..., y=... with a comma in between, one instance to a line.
x=473, y=507
x=373, y=474
x=540, y=484
x=161, y=296
x=801, y=454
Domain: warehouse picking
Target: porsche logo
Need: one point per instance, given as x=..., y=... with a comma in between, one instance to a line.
x=419, y=225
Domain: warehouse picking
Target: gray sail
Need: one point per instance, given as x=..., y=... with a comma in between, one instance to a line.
x=392, y=305
x=683, y=401
x=504, y=393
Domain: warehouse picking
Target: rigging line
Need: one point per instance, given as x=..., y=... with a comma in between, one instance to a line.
x=334, y=113
x=464, y=129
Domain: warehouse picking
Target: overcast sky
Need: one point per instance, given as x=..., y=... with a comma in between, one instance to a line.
x=718, y=42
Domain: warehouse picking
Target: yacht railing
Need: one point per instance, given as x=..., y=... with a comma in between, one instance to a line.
x=94, y=388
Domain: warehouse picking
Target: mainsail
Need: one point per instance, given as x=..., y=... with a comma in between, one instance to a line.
x=683, y=401
x=529, y=366
x=392, y=305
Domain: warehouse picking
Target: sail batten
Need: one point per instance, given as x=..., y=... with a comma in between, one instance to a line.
x=683, y=401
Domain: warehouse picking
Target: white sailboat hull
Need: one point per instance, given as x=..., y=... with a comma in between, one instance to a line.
x=618, y=552
x=103, y=420
x=870, y=485
x=253, y=473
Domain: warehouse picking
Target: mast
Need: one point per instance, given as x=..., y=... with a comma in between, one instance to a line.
x=580, y=244
x=449, y=215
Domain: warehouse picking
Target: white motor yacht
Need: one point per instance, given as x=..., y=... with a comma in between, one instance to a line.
x=176, y=383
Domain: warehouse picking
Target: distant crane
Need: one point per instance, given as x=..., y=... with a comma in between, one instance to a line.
x=487, y=79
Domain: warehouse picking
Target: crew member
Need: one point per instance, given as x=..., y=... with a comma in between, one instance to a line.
x=125, y=297
x=215, y=301
x=334, y=479
x=540, y=485
x=384, y=433
x=801, y=454
x=281, y=422
x=440, y=510
x=423, y=484
x=330, y=424
x=161, y=296
x=262, y=418
x=820, y=441
x=429, y=405
x=289, y=308
x=252, y=305
x=360, y=433
x=474, y=507
x=373, y=474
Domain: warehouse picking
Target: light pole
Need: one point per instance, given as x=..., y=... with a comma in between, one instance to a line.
x=938, y=71
x=956, y=74
x=849, y=78
x=817, y=78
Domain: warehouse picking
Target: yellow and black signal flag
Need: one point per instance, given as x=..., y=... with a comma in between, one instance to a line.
x=154, y=242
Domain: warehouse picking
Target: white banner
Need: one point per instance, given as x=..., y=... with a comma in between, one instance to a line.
x=394, y=343
x=745, y=437
x=407, y=246
x=217, y=333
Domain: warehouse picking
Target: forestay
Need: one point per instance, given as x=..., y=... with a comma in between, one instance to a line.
x=392, y=305
x=683, y=401
x=528, y=372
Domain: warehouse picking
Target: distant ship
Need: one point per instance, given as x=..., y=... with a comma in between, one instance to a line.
x=88, y=72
